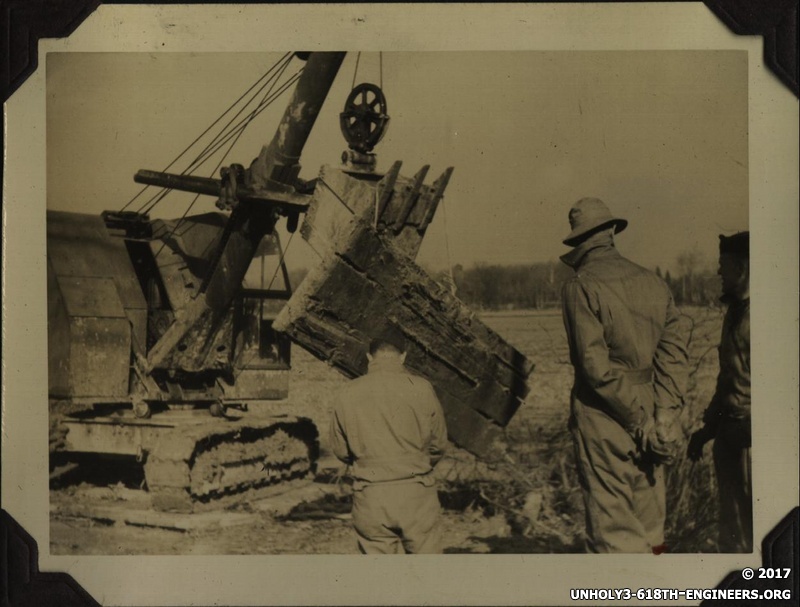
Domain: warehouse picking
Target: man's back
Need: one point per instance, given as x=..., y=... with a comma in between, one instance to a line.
x=630, y=302
x=388, y=424
x=624, y=331
x=629, y=357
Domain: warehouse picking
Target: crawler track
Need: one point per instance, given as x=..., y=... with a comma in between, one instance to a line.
x=224, y=466
x=191, y=460
x=205, y=468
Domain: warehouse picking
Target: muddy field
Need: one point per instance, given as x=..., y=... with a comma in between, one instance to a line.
x=528, y=504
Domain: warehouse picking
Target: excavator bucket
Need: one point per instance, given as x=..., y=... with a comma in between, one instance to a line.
x=368, y=233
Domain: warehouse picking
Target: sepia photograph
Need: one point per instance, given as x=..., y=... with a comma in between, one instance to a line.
x=195, y=350
x=389, y=296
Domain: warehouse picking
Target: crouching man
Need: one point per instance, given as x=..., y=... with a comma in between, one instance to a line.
x=389, y=428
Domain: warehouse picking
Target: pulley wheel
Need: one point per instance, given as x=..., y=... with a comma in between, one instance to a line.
x=364, y=119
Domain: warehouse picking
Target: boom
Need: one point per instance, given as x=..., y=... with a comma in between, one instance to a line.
x=256, y=198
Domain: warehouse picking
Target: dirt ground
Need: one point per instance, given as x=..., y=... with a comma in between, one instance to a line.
x=463, y=532
x=530, y=504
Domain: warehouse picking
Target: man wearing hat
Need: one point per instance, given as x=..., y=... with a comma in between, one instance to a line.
x=630, y=361
x=388, y=426
x=727, y=418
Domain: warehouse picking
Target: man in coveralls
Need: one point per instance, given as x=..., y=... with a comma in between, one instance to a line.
x=727, y=418
x=388, y=426
x=630, y=362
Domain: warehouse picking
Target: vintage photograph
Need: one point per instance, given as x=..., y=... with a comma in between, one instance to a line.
x=288, y=288
x=487, y=289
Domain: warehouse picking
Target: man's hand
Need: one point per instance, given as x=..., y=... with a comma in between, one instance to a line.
x=696, y=443
x=663, y=451
x=660, y=440
x=668, y=426
x=641, y=433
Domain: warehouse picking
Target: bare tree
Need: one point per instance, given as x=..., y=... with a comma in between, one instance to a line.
x=693, y=286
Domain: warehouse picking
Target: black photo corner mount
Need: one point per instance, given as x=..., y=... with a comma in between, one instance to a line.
x=23, y=585
x=21, y=582
x=776, y=21
x=24, y=22
x=780, y=549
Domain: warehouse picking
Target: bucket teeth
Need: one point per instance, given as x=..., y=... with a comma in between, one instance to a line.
x=386, y=189
x=430, y=201
x=410, y=194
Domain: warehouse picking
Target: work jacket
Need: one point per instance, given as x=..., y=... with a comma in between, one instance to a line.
x=388, y=425
x=731, y=399
x=625, y=339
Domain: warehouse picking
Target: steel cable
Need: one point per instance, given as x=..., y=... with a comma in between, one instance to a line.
x=159, y=196
x=240, y=127
x=223, y=137
x=355, y=71
x=263, y=105
x=188, y=147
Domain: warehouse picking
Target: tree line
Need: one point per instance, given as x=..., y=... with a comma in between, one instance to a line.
x=537, y=286
x=498, y=287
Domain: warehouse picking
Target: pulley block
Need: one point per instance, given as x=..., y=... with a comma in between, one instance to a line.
x=364, y=119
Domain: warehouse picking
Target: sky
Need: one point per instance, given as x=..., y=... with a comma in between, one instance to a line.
x=660, y=136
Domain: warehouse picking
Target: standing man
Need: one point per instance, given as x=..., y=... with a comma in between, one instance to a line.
x=727, y=418
x=388, y=426
x=630, y=366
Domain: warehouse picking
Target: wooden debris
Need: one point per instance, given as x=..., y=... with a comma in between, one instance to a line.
x=62, y=471
x=117, y=513
x=135, y=510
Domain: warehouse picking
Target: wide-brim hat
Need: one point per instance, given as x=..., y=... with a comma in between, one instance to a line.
x=590, y=215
